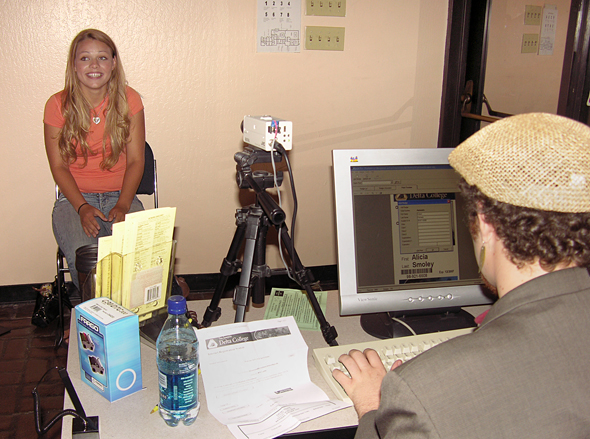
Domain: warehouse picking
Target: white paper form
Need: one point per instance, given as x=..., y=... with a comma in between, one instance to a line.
x=146, y=253
x=256, y=379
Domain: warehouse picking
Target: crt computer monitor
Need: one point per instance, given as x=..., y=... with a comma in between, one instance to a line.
x=404, y=248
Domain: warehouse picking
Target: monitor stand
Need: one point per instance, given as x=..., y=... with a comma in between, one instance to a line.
x=382, y=325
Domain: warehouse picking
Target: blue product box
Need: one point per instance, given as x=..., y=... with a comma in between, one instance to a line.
x=109, y=348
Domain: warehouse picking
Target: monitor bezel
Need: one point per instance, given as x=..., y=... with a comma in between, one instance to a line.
x=416, y=299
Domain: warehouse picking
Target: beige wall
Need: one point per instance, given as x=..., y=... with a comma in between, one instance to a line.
x=196, y=66
x=522, y=82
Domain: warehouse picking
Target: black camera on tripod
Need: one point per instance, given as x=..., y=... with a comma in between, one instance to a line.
x=254, y=221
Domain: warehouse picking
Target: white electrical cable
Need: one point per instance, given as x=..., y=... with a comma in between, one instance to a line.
x=405, y=324
x=274, y=169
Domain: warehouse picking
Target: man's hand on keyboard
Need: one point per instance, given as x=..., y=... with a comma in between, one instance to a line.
x=366, y=374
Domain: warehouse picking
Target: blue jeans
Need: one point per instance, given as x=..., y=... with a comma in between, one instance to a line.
x=68, y=230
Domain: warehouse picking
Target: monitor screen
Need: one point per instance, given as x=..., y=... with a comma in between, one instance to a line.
x=403, y=242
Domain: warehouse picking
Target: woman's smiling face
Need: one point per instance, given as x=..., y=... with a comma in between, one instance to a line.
x=94, y=65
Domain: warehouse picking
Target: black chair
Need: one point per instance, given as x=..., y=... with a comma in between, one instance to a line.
x=149, y=181
x=147, y=186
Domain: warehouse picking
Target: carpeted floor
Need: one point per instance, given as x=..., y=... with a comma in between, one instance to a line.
x=26, y=353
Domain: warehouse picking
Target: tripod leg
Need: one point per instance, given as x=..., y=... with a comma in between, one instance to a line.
x=303, y=277
x=241, y=292
x=228, y=267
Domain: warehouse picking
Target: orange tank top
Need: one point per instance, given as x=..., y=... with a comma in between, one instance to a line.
x=91, y=178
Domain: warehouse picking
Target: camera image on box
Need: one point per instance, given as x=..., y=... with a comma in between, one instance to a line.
x=86, y=340
x=95, y=365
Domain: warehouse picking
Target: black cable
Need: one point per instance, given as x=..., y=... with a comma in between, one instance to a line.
x=295, y=203
x=37, y=408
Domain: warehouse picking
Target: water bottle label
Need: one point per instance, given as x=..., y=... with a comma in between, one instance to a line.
x=178, y=392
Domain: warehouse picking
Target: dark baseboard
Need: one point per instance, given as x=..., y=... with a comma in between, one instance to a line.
x=201, y=286
x=18, y=293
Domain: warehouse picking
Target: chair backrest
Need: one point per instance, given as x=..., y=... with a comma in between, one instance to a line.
x=149, y=180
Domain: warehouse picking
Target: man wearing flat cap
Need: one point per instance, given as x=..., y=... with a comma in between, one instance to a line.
x=523, y=373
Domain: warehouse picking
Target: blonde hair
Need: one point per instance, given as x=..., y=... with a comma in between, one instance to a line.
x=76, y=108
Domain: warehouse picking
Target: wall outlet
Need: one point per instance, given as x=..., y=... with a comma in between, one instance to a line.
x=331, y=8
x=324, y=38
x=532, y=15
x=530, y=43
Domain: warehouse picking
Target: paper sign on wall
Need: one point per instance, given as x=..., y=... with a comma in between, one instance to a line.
x=279, y=26
x=548, y=29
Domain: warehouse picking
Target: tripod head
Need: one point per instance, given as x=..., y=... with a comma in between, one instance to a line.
x=250, y=156
x=259, y=181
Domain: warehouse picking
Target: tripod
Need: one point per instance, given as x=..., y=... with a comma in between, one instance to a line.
x=252, y=224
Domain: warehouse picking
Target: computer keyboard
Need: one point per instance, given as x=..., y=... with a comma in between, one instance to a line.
x=390, y=350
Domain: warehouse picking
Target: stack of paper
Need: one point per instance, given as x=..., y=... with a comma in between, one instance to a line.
x=134, y=265
x=256, y=379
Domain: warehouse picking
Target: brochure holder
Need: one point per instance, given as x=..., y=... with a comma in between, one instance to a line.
x=140, y=281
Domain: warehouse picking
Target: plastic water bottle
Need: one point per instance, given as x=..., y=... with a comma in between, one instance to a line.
x=178, y=357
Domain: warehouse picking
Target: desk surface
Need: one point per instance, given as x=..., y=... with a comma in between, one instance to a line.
x=130, y=417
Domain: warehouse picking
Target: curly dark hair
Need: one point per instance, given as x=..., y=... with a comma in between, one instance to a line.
x=529, y=234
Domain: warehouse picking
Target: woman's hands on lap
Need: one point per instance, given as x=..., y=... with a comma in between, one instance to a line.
x=88, y=216
x=117, y=213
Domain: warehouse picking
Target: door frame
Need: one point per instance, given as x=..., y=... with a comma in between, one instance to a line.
x=468, y=23
x=575, y=77
x=465, y=58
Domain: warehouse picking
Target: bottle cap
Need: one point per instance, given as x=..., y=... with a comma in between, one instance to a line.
x=176, y=305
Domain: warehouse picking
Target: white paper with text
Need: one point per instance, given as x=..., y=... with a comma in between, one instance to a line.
x=256, y=379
